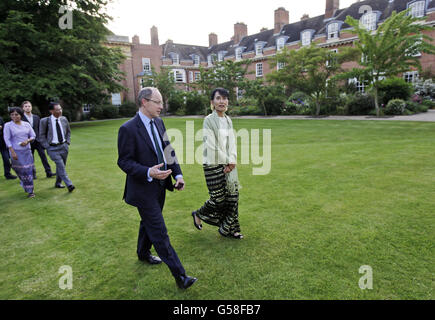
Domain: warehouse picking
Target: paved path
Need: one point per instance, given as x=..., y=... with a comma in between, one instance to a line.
x=428, y=116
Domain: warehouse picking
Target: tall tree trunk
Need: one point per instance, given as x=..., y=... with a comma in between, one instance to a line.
x=376, y=101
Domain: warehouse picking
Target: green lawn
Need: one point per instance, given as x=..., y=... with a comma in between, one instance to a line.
x=341, y=194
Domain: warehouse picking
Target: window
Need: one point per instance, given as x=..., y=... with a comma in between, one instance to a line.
x=175, y=59
x=410, y=76
x=196, y=60
x=306, y=38
x=197, y=76
x=280, y=65
x=258, y=49
x=240, y=93
x=190, y=76
x=221, y=55
x=360, y=86
x=239, y=54
x=210, y=60
x=146, y=65
x=412, y=51
x=179, y=75
x=417, y=9
x=333, y=57
x=116, y=99
x=280, y=44
x=86, y=108
x=368, y=20
x=333, y=31
x=259, y=69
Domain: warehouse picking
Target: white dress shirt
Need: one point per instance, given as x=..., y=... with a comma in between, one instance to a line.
x=53, y=126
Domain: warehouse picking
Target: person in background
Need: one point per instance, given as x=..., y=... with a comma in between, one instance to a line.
x=34, y=120
x=55, y=136
x=5, y=154
x=18, y=135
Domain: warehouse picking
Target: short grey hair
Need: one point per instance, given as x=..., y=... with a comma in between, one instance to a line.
x=145, y=93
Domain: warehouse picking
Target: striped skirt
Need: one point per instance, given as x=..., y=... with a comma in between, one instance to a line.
x=24, y=168
x=222, y=208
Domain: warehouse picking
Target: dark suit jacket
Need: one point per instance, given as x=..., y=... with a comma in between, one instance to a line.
x=36, y=120
x=136, y=154
x=45, y=136
x=2, y=141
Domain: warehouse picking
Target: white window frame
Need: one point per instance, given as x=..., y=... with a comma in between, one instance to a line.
x=259, y=69
x=333, y=31
x=196, y=60
x=238, y=54
x=197, y=76
x=179, y=75
x=411, y=76
x=146, y=65
x=210, y=60
x=280, y=43
x=176, y=59
x=280, y=65
x=190, y=76
x=359, y=85
x=306, y=38
x=369, y=20
x=116, y=99
x=221, y=56
x=418, y=9
x=258, y=49
x=86, y=108
x=332, y=50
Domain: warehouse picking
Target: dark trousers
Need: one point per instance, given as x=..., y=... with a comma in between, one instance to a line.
x=41, y=152
x=6, y=161
x=152, y=231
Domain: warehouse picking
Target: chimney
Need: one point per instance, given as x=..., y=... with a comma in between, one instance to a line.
x=240, y=31
x=331, y=7
x=212, y=39
x=281, y=19
x=305, y=17
x=154, y=36
x=263, y=29
x=135, y=39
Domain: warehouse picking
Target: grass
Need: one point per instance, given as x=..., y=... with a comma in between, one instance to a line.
x=340, y=194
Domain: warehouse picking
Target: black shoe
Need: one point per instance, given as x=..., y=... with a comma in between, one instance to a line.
x=71, y=188
x=58, y=185
x=197, y=226
x=233, y=236
x=50, y=174
x=35, y=177
x=10, y=177
x=184, y=282
x=150, y=259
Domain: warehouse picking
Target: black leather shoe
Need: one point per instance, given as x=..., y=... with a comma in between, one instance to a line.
x=197, y=226
x=50, y=174
x=184, y=282
x=59, y=186
x=71, y=188
x=151, y=259
x=35, y=177
x=10, y=177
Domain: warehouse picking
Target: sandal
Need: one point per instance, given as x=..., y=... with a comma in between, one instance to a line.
x=197, y=226
x=233, y=236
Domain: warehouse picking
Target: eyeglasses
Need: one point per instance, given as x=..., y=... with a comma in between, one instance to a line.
x=158, y=102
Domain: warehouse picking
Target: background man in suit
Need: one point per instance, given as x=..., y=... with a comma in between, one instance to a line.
x=34, y=120
x=148, y=160
x=55, y=136
x=5, y=154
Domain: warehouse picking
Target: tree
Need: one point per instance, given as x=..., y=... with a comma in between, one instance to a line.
x=225, y=74
x=42, y=61
x=310, y=70
x=392, y=49
x=163, y=81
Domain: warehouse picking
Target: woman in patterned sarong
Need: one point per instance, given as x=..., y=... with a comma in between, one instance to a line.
x=18, y=135
x=219, y=164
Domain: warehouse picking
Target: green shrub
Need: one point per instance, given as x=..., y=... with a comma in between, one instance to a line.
x=412, y=106
x=128, y=109
x=196, y=103
x=359, y=104
x=422, y=108
x=299, y=97
x=110, y=111
x=429, y=103
x=395, y=88
x=176, y=101
x=273, y=104
x=96, y=112
x=247, y=101
x=395, y=107
x=290, y=107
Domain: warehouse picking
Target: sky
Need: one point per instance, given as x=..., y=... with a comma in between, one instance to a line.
x=191, y=21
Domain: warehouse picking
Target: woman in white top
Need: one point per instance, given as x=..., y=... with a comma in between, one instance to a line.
x=220, y=157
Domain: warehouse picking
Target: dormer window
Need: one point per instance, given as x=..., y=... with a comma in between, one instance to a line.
x=333, y=30
x=196, y=60
x=259, y=48
x=221, y=55
x=280, y=44
x=210, y=60
x=238, y=54
x=306, y=38
x=417, y=9
x=175, y=59
x=368, y=20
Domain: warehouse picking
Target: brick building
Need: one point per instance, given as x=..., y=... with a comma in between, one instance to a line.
x=327, y=30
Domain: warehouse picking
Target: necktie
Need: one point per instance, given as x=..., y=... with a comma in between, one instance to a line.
x=159, y=151
x=59, y=132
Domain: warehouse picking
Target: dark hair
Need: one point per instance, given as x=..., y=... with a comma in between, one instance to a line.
x=223, y=92
x=52, y=105
x=146, y=94
x=17, y=110
x=24, y=102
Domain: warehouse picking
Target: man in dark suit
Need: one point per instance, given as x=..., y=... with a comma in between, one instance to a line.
x=34, y=120
x=5, y=154
x=146, y=156
x=55, y=136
